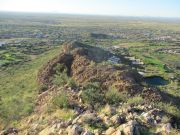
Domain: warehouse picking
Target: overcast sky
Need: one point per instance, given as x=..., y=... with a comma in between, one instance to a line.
x=162, y=8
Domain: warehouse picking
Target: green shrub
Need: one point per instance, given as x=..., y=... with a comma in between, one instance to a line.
x=43, y=88
x=71, y=83
x=169, y=108
x=61, y=100
x=113, y=96
x=60, y=79
x=96, y=125
x=144, y=131
x=91, y=94
x=136, y=100
x=60, y=68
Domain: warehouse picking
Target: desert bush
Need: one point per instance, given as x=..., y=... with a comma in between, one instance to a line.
x=144, y=131
x=60, y=68
x=113, y=96
x=60, y=79
x=169, y=108
x=92, y=94
x=136, y=100
x=71, y=83
x=61, y=100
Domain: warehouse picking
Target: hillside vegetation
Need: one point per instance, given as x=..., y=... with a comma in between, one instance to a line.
x=87, y=75
x=113, y=100
x=19, y=88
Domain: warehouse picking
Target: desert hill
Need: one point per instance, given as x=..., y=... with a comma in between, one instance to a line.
x=82, y=93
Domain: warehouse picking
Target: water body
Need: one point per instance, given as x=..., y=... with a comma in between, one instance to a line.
x=1, y=43
x=155, y=80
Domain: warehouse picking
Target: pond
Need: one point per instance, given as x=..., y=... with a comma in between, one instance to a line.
x=2, y=43
x=156, y=80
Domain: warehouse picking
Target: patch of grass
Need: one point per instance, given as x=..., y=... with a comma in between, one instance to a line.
x=65, y=114
x=19, y=87
x=155, y=62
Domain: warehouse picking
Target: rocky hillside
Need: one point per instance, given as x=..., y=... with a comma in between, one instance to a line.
x=81, y=93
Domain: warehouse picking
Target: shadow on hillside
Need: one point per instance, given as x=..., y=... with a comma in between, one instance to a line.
x=168, y=98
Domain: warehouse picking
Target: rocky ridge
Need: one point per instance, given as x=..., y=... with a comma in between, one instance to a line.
x=84, y=65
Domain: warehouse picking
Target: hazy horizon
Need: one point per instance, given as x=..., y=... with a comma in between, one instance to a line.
x=136, y=8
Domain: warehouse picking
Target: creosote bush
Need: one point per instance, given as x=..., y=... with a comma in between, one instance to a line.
x=71, y=83
x=113, y=96
x=61, y=100
x=60, y=68
x=92, y=94
x=61, y=78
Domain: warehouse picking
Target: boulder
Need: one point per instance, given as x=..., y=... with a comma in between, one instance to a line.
x=75, y=121
x=130, y=116
x=9, y=131
x=62, y=124
x=102, y=116
x=148, y=118
x=117, y=119
x=150, y=121
x=158, y=119
x=118, y=132
x=107, y=120
x=110, y=131
x=97, y=132
x=131, y=128
x=75, y=130
x=48, y=130
x=167, y=128
x=88, y=133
